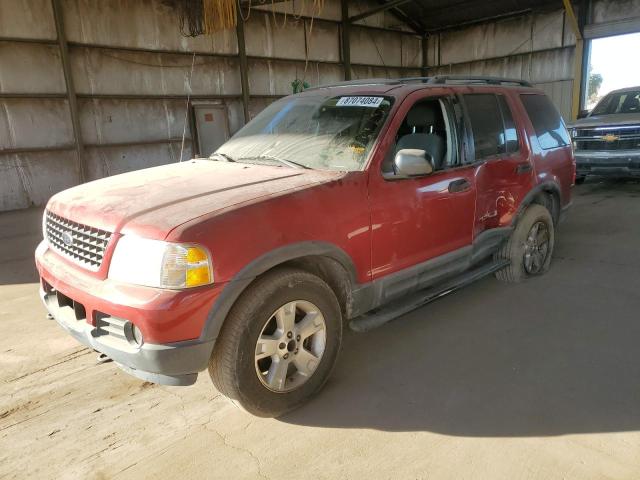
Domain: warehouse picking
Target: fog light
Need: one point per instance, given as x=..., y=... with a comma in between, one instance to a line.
x=133, y=334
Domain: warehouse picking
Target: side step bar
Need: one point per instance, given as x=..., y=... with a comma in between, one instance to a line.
x=406, y=304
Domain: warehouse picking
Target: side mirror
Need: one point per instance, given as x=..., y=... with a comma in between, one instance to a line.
x=412, y=163
x=583, y=113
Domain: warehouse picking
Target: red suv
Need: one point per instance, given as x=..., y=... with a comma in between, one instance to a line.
x=351, y=203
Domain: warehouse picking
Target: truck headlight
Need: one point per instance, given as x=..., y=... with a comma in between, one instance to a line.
x=159, y=264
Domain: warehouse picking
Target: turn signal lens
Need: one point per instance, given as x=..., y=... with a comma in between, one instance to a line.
x=198, y=267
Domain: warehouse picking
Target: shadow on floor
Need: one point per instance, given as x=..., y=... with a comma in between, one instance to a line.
x=556, y=355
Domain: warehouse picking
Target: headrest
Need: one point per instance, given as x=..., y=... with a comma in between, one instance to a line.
x=421, y=116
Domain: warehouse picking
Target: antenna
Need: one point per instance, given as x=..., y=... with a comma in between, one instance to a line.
x=186, y=110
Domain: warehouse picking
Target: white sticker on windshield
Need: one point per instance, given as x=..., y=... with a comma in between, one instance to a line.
x=373, y=102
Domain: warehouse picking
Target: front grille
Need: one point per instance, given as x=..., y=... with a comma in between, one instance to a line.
x=83, y=244
x=608, y=138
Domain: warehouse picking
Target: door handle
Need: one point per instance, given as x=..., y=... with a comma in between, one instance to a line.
x=460, y=185
x=523, y=168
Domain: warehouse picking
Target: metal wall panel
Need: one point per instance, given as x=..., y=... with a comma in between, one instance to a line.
x=120, y=121
x=31, y=19
x=25, y=123
x=136, y=24
x=107, y=161
x=104, y=71
x=31, y=178
x=30, y=68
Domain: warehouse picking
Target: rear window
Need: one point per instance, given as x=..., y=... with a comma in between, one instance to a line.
x=494, y=131
x=546, y=120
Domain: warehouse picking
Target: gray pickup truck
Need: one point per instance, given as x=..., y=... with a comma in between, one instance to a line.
x=607, y=141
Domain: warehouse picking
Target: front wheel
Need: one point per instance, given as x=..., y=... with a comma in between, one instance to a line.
x=530, y=246
x=279, y=343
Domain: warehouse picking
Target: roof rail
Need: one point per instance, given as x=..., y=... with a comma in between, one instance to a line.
x=437, y=80
x=467, y=79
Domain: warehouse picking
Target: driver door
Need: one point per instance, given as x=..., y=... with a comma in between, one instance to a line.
x=422, y=227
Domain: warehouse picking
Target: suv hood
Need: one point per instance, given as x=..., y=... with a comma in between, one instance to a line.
x=607, y=120
x=153, y=201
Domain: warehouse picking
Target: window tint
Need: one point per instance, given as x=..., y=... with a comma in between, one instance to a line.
x=486, y=124
x=510, y=133
x=546, y=121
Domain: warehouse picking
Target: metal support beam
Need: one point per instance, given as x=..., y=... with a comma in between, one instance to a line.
x=578, y=59
x=425, y=56
x=381, y=8
x=71, y=91
x=346, y=40
x=244, y=69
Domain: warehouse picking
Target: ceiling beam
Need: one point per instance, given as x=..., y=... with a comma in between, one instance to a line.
x=381, y=8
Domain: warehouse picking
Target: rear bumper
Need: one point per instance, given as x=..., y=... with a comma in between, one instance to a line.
x=84, y=306
x=612, y=163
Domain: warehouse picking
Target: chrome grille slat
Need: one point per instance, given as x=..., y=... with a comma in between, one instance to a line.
x=88, y=245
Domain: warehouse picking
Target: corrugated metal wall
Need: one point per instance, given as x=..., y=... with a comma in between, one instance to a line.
x=130, y=66
x=537, y=47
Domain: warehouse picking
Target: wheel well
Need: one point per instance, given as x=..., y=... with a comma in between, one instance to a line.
x=551, y=201
x=329, y=270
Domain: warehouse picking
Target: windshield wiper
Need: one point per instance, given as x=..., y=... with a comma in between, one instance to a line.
x=223, y=155
x=289, y=163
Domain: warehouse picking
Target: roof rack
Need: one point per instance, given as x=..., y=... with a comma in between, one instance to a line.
x=467, y=79
x=436, y=80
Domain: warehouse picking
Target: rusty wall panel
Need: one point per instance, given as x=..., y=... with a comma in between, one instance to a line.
x=547, y=30
x=269, y=37
x=107, y=161
x=30, y=68
x=330, y=11
x=271, y=77
x=31, y=178
x=101, y=71
x=136, y=24
x=487, y=40
x=26, y=122
x=323, y=42
x=118, y=121
x=12, y=192
x=27, y=19
x=612, y=10
x=375, y=47
x=359, y=71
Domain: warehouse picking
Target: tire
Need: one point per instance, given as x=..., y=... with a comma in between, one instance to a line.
x=580, y=180
x=234, y=368
x=519, y=245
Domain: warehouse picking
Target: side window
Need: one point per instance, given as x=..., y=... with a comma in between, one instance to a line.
x=486, y=124
x=510, y=133
x=546, y=121
x=425, y=127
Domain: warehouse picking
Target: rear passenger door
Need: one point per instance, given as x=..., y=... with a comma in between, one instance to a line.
x=499, y=144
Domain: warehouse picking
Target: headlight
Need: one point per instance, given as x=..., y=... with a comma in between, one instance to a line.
x=155, y=263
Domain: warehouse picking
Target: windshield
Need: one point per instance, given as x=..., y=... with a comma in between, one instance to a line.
x=621, y=102
x=317, y=132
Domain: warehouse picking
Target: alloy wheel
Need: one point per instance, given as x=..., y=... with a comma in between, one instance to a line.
x=290, y=346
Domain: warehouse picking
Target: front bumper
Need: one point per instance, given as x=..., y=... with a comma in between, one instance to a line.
x=608, y=163
x=90, y=310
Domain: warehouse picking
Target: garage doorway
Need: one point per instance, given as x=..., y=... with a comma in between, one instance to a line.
x=613, y=64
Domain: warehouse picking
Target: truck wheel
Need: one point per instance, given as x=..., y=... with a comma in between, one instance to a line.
x=278, y=344
x=530, y=246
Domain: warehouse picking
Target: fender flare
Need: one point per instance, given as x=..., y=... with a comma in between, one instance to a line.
x=545, y=187
x=238, y=284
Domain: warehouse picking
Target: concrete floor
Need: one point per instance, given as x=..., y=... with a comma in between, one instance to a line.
x=537, y=380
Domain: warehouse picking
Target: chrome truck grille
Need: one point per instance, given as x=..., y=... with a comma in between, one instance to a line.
x=83, y=244
x=608, y=138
